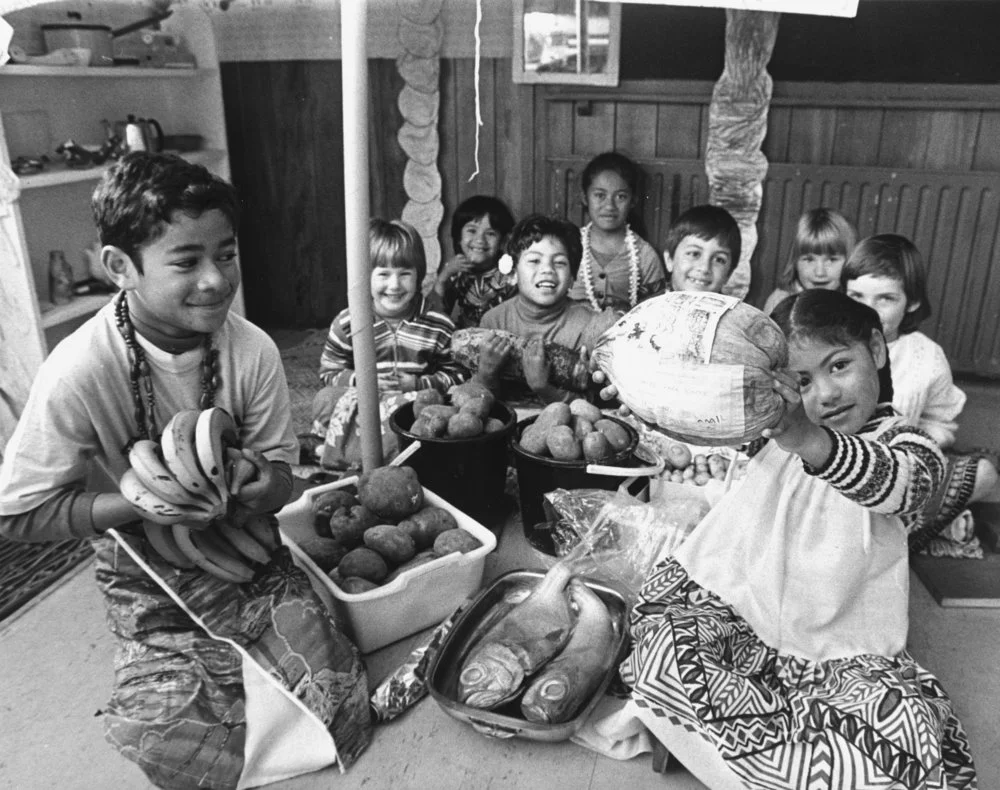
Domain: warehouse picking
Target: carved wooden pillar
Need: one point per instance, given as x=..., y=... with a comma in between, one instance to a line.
x=737, y=123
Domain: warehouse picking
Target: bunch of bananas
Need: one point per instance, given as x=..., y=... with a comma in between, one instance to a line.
x=180, y=486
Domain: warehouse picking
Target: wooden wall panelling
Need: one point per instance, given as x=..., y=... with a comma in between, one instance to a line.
x=986, y=154
x=594, y=128
x=681, y=131
x=857, y=136
x=635, y=130
x=904, y=139
x=951, y=143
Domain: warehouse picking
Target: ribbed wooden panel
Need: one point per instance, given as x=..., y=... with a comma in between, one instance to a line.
x=952, y=217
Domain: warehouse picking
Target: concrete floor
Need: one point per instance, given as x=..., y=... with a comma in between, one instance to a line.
x=57, y=662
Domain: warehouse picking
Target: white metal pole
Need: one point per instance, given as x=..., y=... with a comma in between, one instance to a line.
x=353, y=40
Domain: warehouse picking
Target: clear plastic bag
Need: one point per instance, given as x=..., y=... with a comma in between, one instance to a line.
x=615, y=538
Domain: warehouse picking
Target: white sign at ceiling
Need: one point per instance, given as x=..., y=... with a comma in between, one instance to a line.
x=847, y=8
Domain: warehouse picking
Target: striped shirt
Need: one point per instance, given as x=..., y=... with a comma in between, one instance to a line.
x=420, y=346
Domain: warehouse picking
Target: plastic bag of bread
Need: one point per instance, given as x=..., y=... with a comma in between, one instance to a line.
x=697, y=365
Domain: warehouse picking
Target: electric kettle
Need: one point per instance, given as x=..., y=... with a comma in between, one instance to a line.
x=143, y=134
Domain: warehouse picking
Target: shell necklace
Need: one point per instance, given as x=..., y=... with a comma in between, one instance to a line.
x=141, y=378
x=586, y=266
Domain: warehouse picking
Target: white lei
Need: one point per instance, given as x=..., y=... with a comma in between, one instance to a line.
x=632, y=245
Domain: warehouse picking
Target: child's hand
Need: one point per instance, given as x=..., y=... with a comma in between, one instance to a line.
x=493, y=353
x=455, y=266
x=388, y=381
x=536, y=366
x=250, y=476
x=407, y=382
x=795, y=432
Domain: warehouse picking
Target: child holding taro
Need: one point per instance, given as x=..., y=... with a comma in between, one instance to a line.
x=618, y=269
x=470, y=283
x=774, y=654
x=200, y=661
x=545, y=254
x=823, y=240
x=412, y=346
x=886, y=273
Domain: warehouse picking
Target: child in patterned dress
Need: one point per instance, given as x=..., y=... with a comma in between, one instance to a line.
x=471, y=283
x=770, y=648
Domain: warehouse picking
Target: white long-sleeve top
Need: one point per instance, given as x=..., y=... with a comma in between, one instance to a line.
x=924, y=391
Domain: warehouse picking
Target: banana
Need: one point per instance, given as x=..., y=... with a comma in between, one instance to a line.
x=214, y=429
x=161, y=538
x=243, y=542
x=178, y=444
x=209, y=553
x=145, y=459
x=261, y=527
x=156, y=508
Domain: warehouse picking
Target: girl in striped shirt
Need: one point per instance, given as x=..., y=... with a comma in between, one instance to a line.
x=412, y=346
x=770, y=648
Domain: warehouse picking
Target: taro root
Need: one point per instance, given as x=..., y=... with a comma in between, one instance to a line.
x=533, y=440
x=325, y=552
x=585, y=409
x=616, y=434
x=391, y=541
x=420, y=559
x=348, y=526
x=426, y=524
x=355, y=585
x=364, y=563
x=554, y=414
x=427, y=397
x=597, y=448
x=464, y=425
x=562, y=444
x=455, y=540
x=392, y=492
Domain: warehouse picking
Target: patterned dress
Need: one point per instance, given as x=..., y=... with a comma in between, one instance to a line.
x=776, y=634
x=469, y=295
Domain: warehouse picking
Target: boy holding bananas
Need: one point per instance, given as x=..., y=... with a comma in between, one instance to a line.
x=186, y=405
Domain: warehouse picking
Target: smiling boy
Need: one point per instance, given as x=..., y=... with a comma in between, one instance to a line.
x=702, y=249
x=546, y=254
x=187, y=641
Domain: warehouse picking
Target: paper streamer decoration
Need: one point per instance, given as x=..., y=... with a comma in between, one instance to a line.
x=737, y=123
x=420, y=33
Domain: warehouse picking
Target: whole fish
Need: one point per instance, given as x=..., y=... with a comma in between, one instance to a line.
x=569, y=680
x=566, y=368
x=519, y=644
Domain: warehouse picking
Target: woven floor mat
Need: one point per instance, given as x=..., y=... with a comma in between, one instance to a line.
x=26, y=569
x=301, y=363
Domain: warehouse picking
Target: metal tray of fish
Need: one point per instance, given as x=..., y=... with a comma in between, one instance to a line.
x=507, y=720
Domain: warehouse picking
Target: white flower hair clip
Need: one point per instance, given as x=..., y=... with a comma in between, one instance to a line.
x=505, y=264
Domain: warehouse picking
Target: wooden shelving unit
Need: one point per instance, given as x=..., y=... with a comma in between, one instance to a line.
x=43, y=107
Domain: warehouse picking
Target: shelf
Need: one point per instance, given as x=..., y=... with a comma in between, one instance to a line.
x=60, y=174
x=112, y=72
x=80, y=306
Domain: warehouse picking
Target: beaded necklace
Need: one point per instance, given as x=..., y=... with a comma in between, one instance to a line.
x=632, y=245
x=141, y=378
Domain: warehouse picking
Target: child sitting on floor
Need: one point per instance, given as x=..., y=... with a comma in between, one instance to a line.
x=823, y=241
x=619, y=268
x=412, y=347
x=886, y=273
x=470, y=283
x=203, y=665
x=774, y=653
x=702, y=249
x=545, y=255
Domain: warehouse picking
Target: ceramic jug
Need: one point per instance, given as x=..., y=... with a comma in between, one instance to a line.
x=143, y=134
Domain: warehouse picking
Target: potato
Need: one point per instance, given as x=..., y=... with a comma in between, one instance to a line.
x=688, y=473
x=676, y=476
x=464, y=425
x=700, y=478
x=554, y=414
x=392, y=492
x=433, y=427
x=330, y=501
x=471, y=391
x=533, y=440
x=420, y=559
x=325, y=552
x=678, y=455
x=562, y=444
x=424, y=398
x=597, y=448
x=426, y=524
x=364, y=563
x=616, y=434
x=355, y=585
x=443, y=410
x=348, y=526
x=392, y=542
x=493, y=425
x=700, y=462
x=585, y=409
x=455, y=540
x=581, y=427
x=478, y=408
x=718, y=465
